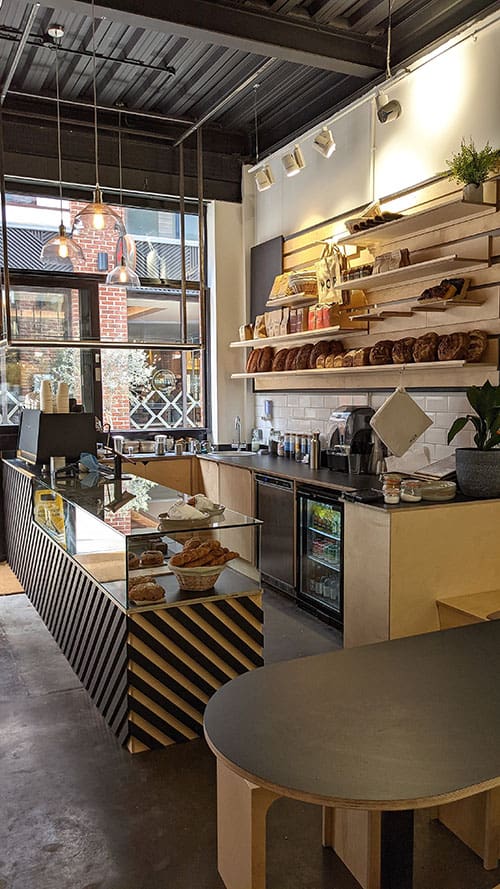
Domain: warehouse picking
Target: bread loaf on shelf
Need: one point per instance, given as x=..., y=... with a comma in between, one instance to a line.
x=381, y=352
x=478, y=342
x=402, y=350
x=252, y=361
x=362, y=357
x=303, y=356
x=266, y=356
x=425, y=348
x=453, y=346
x=279, y=360
x=291, y=358
x=348, y=358
x=321, y=348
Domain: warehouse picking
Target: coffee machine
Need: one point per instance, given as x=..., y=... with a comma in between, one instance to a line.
x=353, y=446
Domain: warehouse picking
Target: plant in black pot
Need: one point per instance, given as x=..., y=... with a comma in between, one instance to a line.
x=478, y=469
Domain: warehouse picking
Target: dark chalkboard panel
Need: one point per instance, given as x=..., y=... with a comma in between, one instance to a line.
x=266, y=261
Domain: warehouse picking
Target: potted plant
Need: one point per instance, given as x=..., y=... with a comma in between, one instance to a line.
x=478, y=469
x=472, y=167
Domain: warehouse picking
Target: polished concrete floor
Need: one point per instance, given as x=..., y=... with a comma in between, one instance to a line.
x=78, y=812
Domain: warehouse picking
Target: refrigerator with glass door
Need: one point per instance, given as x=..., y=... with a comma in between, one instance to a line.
x=320, y=555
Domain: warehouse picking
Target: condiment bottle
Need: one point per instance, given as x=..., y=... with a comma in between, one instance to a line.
x=287, y=445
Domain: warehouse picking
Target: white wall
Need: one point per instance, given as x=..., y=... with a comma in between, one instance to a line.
x=453, y=95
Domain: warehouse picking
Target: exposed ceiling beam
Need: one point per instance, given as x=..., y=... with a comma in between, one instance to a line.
x=245, y=29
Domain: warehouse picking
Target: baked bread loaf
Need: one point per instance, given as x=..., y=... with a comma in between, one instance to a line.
x=141, y=578
x=151, y=557
x=133, y=560
x=336, y=348
x=279, y=360
x=381, y=352
x=445, y=290
x=425, y=348
x=303, y=357
x=265, y=362
x=362, y=357
x=321, y=348
x=198, y=554
x=147, y=592
x=348, y=358
x=453, y=346
x=252, y=361
x=402, y=350
x=291, y=358
x=478, y=342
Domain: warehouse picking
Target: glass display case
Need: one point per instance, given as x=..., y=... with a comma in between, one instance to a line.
x=118, y=533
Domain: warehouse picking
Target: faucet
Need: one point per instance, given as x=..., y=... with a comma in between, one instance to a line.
x=237, y=426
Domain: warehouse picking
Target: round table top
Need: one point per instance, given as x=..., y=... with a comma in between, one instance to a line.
x=396, y=725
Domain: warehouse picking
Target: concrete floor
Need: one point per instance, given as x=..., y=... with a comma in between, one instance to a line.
x=78, y=812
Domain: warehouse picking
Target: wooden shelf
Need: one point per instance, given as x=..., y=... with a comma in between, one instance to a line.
x=410, y=274
x=381, y=316
x=302, y=336
x=375, y=368
x=418, y=223
x=296, y=299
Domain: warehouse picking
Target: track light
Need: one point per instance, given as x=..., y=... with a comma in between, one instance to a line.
x=264, y=178
x=324, y=142
x=387, y=109
x=293, y=162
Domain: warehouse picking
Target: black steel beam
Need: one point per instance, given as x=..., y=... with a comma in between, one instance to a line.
x=246, y=29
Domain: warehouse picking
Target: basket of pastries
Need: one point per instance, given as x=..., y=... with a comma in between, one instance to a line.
x=199, y=564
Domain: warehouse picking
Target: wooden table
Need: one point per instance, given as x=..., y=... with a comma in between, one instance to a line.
x=379, y=730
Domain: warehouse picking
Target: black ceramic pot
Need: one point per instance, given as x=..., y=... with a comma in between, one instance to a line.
x=478, y=472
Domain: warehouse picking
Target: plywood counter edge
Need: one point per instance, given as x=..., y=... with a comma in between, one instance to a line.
x=387, y=805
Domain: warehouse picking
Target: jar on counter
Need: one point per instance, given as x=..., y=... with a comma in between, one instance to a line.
x=281, y=446
x=391, y=494
x=411, y=490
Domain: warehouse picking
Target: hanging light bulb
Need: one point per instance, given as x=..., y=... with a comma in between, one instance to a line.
x=122, y=274
x=96, y=216
x=60, y=246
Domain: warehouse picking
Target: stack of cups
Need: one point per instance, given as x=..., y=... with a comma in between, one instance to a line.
x=46, y=397
x=62, y=399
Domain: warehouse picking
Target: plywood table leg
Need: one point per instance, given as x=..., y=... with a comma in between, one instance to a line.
x=354, y=835
x=241, y=830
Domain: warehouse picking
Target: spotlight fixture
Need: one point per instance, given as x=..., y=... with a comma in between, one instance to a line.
x=96, y=216
x=56, y=32
x=387, y=109
x=324, y=142
x=293, y=162
x=60, y=246
x=264, y=178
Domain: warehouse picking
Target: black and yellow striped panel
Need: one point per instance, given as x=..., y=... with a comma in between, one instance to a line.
x=89, y=629
x=178, y=657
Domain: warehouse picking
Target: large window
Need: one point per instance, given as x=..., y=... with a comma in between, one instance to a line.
x=146, y=386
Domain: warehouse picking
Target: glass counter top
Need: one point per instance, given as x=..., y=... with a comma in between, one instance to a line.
x=133, y=506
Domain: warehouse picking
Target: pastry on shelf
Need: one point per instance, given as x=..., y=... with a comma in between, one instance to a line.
x=381, y=352
x=453, y=346
x=133, y=560
x=402, y=350
x=151, y=558
x=478, y=342
x=425, y=348
x=140, y=579
x=146, y=592
x=202, y=554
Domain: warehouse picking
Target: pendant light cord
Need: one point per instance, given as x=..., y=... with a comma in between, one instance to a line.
x=59, y=151
x=389, y=34
x=94, y=78
x=255, y=88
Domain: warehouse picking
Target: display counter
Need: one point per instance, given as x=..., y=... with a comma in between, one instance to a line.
x=150, y=668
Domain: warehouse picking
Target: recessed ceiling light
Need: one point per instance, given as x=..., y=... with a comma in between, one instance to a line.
x=293, y=162
x=55, y=31
x=264, y=178
x=324, y=142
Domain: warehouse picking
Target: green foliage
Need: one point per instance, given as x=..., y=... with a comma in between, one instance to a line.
x=485, y=401
x=470, y=166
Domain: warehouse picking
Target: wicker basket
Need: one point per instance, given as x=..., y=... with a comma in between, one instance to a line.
x=197, y=579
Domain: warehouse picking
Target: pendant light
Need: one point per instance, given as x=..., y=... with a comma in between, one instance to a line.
x=122, y=275
x=60, y=246
x=96, y=216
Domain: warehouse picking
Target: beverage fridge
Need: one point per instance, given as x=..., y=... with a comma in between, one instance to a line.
x=320, y=554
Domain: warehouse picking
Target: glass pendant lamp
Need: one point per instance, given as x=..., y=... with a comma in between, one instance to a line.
x=60, y=246
x=122, y=274
x=96, y=216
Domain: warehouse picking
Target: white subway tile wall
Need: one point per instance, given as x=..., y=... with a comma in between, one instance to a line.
x=307, y=413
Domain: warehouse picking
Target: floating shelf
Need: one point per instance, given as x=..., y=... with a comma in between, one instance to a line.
x=381, y=316
x=413, y=273
x=442, y=305
x=301, y=336
x=296, y=299
x=418, y=223
x=372, y=368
